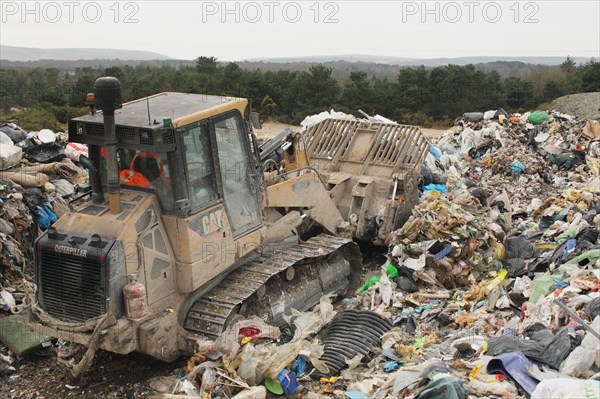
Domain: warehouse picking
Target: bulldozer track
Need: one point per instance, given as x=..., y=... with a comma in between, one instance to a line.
x=209, y=314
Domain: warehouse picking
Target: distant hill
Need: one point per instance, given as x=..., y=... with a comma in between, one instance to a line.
x=342, y=69
x=380, y=67
x=379, y=59
x=428, y=62
x=23, y=54
x=67, y=65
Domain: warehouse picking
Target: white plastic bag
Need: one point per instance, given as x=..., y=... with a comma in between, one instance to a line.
x=75, y=150
x=258, y=392
x=10, y=155
x=566, y=388
x=578, y=362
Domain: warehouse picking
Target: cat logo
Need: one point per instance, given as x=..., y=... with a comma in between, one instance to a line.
x=63, y=249
x=212, y=222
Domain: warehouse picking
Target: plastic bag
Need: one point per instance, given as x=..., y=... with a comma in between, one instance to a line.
x=444, y=388
x=13, y=132
x=229, y=342
x=46, y=217
x=578, y=362
x=517, y=167
x=10, y=156
x=257, y=392
x=541, y=287
x=499, y=388
x=4, y=139
x=440, y=188
x=538, y=117
x=473, y=116
x=63, y=187
x=75, y=150
x=308, y=323
x=247, y=369
x=433, y=150
x=563, y=388
x=592, y=308
x=519, y=247
x=468, y=140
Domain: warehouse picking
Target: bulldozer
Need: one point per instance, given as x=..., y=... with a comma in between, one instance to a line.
x=187, y=227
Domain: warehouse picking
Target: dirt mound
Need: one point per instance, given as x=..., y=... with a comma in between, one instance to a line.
x=583, y=105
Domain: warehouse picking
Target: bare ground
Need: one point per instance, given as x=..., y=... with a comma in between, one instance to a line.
x=271, y=129
x=583, y=105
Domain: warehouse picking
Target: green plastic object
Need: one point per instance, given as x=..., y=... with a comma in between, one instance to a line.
x=538, y=117
x=571, y=233
x=19, y=340
x=273, y=386
x=541, y=287
x=392, y=272
x=588, y=257
x=368, y=284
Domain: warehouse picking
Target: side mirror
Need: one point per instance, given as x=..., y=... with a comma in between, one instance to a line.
x=256, y=120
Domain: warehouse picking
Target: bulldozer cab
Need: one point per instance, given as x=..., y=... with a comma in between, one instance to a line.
x=192, y=151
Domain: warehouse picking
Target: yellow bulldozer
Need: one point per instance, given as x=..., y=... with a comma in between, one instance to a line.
x=189, y=226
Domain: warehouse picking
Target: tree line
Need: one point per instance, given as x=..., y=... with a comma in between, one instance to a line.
x=417, y=95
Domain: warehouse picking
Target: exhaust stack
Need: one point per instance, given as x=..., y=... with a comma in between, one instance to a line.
x=107, y=95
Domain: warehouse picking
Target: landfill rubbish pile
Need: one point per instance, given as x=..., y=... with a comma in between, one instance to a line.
x=38, y=177
x=490, y=289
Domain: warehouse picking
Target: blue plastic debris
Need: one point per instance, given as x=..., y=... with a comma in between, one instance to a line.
x=355, y=395
x=46, y=217
x=287, y=380
x=442, y=253
x=440, y=188
x=517, y=167
x=570, y=246
x=390, y=366
x=433, y=150
x=299, y=366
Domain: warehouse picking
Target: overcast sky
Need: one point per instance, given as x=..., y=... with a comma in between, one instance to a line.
x=264, y=29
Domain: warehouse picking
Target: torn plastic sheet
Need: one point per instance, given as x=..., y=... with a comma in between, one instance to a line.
x=267, y=360
x=308, y=323
x=229, y=342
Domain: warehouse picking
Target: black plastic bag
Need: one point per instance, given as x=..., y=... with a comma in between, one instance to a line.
x=16, y=135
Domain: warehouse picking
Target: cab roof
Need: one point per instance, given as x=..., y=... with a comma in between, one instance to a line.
x=181, y=108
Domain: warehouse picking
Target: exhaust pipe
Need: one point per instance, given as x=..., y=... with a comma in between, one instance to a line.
x=97, y=196
x=107, y=95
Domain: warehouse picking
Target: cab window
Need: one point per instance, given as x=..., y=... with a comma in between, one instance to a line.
x=147, y=170
x=200, y=170
x=240, y=189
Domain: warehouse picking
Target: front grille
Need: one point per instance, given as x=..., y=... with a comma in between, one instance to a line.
x=92, y=129
x=72, y=287
x=146, y=137
x=130, y=137
x=125, y=134
x=168, y=137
